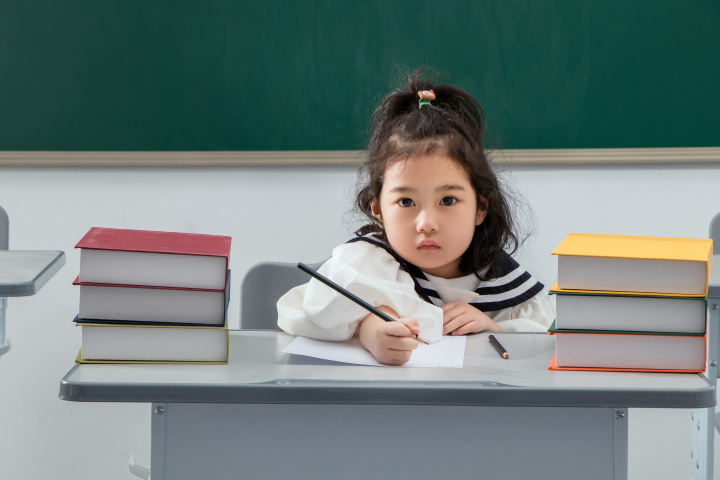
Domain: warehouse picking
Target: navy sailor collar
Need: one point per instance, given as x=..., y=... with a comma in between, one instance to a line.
x=510, y=286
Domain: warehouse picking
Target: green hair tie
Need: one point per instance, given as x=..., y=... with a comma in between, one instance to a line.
x=425, y=97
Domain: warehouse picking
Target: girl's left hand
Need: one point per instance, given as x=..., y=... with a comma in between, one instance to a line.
x=461, y=318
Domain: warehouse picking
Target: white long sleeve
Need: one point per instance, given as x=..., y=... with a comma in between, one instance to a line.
x=533, y=315
x=314, y=310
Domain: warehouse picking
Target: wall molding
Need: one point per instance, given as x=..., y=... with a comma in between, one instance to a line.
x=345, y=157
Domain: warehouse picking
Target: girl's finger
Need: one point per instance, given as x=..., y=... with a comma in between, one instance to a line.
x=402, y=344
x=465, y=329
x=448, y=306
x=398, y=329
x=451, y=315
x=455, y=323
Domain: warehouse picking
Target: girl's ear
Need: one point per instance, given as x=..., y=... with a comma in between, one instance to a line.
x=376, y=211
x=482, y=212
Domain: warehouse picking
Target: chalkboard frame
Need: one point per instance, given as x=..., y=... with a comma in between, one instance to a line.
x=211, y=159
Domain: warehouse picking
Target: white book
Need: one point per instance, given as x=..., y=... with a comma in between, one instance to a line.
x=633, y=351
x=129, y=303
x=623, y=263
x=630, y=313
x=105, y=302
x=154, y=343
x=162, y=259
x=632, y=275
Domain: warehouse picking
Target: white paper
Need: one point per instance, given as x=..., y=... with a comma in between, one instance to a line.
x=447, y=353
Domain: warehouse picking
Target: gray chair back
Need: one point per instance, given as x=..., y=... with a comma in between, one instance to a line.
x=262, y=287
x=715, y=233
x=4, y=230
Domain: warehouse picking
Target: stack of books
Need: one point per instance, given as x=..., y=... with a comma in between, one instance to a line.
x=153, y=297
x=631, y=303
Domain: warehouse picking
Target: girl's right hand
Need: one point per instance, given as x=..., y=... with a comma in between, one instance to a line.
x=391, y=343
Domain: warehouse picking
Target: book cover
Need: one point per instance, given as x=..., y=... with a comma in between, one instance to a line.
x=148, y=258
x=553, y=366
x=148, y=241
x=628, y=246
x=110, y=307
x=555, y=290
x=624, y=263
x=224, y=327
x=628, y=351
x=79, y=359
x=552, y=330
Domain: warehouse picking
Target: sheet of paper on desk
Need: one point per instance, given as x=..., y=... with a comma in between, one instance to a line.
x=447, y=353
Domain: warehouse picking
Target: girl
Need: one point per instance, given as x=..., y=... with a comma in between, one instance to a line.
x=433, y=254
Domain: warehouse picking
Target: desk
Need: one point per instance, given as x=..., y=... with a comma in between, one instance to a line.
x=714, y=299
x=23, y=273
x=704, y=436
x=272, y=415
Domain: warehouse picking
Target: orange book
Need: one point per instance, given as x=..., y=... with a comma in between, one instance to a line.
x=553, y=366
x=628, y=351
x=641, y=265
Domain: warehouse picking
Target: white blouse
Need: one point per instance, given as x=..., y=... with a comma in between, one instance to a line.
x=314, y=310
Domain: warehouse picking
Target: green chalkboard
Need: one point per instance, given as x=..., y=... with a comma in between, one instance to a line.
x=305, y=75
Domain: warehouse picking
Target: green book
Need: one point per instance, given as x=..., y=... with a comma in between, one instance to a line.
x=553, y=329
x=627, y=312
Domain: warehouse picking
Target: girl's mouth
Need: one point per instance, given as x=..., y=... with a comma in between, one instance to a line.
x=428, y=245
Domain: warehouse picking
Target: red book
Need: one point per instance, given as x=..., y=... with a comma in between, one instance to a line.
x=165, y=259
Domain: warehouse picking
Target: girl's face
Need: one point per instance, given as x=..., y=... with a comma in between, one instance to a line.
x=429, y=211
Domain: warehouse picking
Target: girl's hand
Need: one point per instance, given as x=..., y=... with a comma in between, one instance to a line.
x=460, y=318
x=391, y=343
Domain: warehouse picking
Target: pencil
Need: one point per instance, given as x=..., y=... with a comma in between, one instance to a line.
x=501, y=350
x=349, y=295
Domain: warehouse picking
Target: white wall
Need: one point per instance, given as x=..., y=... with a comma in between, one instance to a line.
x=281, y=214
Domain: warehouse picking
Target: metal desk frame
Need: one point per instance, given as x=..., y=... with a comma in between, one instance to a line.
x=267, y=414
x=703, y=420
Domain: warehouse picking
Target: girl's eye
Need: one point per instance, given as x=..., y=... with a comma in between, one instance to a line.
x=406, y=202
x=447, y=201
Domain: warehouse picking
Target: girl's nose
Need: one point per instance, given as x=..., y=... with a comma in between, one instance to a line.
x=426, y=222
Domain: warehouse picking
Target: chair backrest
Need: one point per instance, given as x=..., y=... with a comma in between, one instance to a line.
x=715, y=232
x=4, y=230
x=262, y=287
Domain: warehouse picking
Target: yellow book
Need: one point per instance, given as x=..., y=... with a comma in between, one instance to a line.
x=634, y=264
x=133, y=343
x=79, y=359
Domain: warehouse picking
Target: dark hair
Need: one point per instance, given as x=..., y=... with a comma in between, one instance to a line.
x=453, y=124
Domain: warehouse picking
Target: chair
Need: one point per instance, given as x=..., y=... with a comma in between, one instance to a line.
x=715, y=236
x=4, y=240
x=715, y=233
x=262, y=287
x=4, y=224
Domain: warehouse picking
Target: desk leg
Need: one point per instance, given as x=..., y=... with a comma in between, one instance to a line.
x=620, y=444
x=157, y=443
x=703, y=420
x=4, y=346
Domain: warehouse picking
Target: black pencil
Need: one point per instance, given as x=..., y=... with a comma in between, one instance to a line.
x=501, y=350
x=349, y=295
